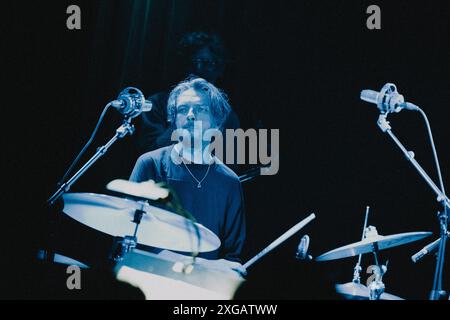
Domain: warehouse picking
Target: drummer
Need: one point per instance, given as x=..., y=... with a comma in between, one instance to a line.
x=206, y=187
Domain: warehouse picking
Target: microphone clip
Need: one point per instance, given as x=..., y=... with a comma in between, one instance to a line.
x=131, y=102
x=389, y=99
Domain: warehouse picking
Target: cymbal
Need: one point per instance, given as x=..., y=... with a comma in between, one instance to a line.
x=158, y=228
x=371, y=244
x=358, y=291
x=147, y=189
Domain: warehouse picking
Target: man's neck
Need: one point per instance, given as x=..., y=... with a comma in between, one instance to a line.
x=194, y=155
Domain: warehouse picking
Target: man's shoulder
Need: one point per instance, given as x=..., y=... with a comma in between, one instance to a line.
x=226, y=172
x=156, y=155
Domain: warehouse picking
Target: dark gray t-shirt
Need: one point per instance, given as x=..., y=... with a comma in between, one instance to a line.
x=218, y=204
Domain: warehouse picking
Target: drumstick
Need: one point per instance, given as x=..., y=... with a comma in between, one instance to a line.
x=280, y=240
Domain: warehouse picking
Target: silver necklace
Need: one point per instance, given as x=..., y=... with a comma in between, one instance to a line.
x=199, y=183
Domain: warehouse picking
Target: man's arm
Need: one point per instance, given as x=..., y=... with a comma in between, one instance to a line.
x=142, y=171
x=235, y=232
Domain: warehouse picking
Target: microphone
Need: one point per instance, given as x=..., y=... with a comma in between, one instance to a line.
x=131, y=102
x=387, y=99
x=427, y=249
x=302, y=249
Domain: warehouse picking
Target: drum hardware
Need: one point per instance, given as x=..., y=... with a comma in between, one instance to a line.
x=372, y=243
x=357, y=269
x=128, y=243
x=376, y=286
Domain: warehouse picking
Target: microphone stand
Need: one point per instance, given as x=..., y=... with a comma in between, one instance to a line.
x=437, y=291
x=122, y=131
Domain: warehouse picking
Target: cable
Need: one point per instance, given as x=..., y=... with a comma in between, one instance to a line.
x=61, y=181
x=436, y=160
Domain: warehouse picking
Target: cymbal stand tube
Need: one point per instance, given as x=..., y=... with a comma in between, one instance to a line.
x=376, y=287
x=357, y=269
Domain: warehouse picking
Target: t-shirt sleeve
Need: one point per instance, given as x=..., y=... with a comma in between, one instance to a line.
x=235, y=231
x=143, y=170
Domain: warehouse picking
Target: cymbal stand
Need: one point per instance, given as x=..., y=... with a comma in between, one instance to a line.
x=376, y=287
x=357, y=269
x=124, y=245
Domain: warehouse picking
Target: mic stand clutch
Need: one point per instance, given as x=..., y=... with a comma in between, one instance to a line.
x=437, y=291
x=122, y=131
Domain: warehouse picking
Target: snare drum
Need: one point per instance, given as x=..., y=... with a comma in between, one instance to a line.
x=163, y=278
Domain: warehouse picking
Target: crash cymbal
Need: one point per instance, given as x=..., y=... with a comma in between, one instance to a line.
x=158, y=228
x=357, y=291
x=372, y=244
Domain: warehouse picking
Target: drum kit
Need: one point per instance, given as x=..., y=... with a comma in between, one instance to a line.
x=134, y=221
x=371, y=242
x=137, y=218
x=175, y=276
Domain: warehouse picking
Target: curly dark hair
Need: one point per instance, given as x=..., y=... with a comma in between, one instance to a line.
x=219, y=106
x=194, y=41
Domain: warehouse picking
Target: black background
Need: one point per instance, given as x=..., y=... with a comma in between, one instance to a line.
x=296, y=66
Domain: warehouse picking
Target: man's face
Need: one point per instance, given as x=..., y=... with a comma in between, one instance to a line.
x=193, y=106
x=205, y=65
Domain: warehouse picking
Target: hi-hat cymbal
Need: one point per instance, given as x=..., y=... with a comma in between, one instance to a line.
x=372, y=244
x=357, y=291
x=158, y=228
